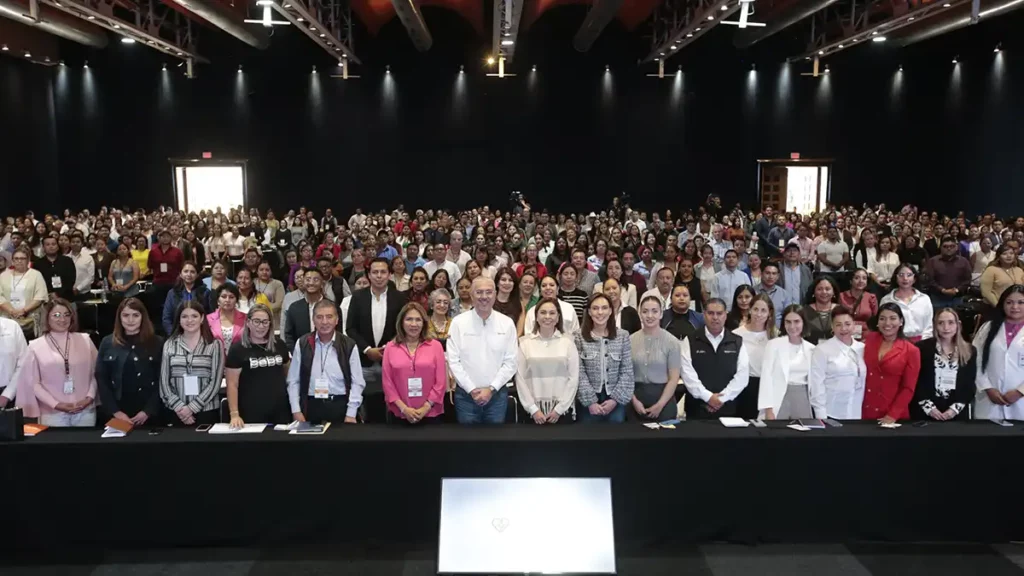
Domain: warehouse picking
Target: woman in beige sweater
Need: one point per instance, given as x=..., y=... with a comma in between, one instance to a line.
x=1002, y=273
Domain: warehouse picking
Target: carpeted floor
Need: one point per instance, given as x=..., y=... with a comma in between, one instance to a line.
x=862, y=559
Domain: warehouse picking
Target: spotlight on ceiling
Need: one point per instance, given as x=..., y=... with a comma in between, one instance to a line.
x=507, y=42
x=534, y=68
x=127, y=40
x=28, y=54
x=164, y=66
x=998, y=48
x=462, y=69
x=607, y=68
x=4, y=48
x=878, y=39
x=689, y=35
x=314, y=69
x=710, y=17
x=827, y=71
x=85, y=64
x=387, y=69
x=946, y=5
x=240, y=68
x=92, y=17
x=841, y=46
x=117, y=26
x=821, y=52
x=490, y=60
x=724, y=7
x=901, y=68
x=955, y=61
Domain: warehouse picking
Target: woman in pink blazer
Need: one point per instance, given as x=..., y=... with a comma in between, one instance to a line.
x=414, y=372
x=226, y=322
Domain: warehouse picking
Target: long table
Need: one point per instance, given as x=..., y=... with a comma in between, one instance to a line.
x=699, y=482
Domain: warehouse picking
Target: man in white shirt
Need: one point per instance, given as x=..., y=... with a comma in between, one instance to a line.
x=439, y=260
x=715, y=366
x=728, y=279
x=370, y=321
x=12, y=346
x=456, y=254
x=85, y=266
x=662, y=287
x=481, y=354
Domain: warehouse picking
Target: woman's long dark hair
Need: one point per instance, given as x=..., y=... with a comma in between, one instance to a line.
x=735, y=317
x=204, y=328
x=514, y=307
x=895, y=309
x=998, y=317
x=146, y=333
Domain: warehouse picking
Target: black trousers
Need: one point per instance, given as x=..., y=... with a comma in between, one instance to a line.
x=333, y=409
x=746, y=402
x=697, y=409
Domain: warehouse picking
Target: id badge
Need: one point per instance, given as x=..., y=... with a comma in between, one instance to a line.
x=163, y=267
x=1020, y=360
x=56, y=283
x=415, y=387
x=191, y=385
x=17, y=302
x=69, y=386
x=321, y=389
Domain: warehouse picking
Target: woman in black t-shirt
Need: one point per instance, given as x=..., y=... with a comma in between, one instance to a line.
x=255, y=370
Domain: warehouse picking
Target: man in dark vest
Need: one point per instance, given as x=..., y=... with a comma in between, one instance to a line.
x=322, y=386
x=715, y=367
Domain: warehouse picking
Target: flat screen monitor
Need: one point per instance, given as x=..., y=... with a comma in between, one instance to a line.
x=526, y=525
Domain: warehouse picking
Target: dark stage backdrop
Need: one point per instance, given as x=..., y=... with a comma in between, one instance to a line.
x=569, y=135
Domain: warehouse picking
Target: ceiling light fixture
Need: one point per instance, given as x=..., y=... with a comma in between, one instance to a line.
x=127, y=40
x=874, y=32
x=462, y=69
x=697, y=29
x=92, y=17
x=724, y=7
x=164, y=67
x=490, y=60
x=117, y=26
x=300, y=19
x=534, y=68
x=322, y=35
x=85, y=64
x=314, y=69
x=955, y=60
x=826, y=69
x=946, y=5
x=841, y=46
x=239, y=68
x=690, y=35
x=179, y=54
x=607, y=68
x=387, y=69
x=661, y=54
x=4, y=48
x=878, y=39
x=821, y=52
x=507, y=42
x=710, y=17
x=28, y=54
x=998, y=48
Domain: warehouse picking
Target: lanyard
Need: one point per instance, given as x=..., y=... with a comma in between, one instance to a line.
x=66, y=354
x=14, y=285
x=412, y=355
x=323, y=348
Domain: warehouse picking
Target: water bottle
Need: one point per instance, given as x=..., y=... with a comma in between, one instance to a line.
x=106, y=288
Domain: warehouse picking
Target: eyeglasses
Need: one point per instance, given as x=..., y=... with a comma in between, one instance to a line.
x=258, y=322
x=905, y=275
x=60, y=315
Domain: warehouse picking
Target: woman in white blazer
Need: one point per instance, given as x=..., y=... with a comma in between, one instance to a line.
x=1000, y=377
x=784, y=392
x=838, y=372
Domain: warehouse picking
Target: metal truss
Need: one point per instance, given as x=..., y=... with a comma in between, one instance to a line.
x=505, y=29
x=328, y=23
x=148, y=22
x=677, y=23
x=850, y=23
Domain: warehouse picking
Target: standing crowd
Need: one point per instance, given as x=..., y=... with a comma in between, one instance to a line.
x=487, y=316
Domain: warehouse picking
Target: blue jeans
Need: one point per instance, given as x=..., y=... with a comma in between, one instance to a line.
x=468, y=412
x=943, y=301
x=618, y=415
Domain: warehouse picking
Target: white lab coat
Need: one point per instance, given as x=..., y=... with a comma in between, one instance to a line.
x=836, y=380
x=1005, y=372
x=775, y=372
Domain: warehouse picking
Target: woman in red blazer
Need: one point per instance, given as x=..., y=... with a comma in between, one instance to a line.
x=893, y=364
x=226, y=322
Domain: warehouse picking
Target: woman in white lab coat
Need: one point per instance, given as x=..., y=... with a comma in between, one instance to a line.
x=1000, y=378
x=784, y=375
x=836, y=380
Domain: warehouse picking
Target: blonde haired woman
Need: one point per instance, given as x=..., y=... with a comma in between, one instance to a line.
x=945, y=384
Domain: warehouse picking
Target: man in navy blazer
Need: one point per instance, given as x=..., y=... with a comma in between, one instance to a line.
x=372, y=314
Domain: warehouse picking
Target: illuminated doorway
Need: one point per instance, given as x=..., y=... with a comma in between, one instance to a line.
x=802, y=186
x=208, y=185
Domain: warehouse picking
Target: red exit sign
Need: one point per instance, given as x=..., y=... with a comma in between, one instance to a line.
x=794, y=155
x=208, y=155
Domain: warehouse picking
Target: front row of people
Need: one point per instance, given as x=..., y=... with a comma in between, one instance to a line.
x=596, y=374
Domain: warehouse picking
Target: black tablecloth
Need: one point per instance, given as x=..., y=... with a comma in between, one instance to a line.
x=700, y=482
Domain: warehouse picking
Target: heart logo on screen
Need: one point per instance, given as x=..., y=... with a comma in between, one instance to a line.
x=500, y=524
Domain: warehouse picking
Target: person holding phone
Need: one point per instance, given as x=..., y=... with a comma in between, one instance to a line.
x=191, y=368
x=255, y=371
x=1000, y=376
x=128, y=370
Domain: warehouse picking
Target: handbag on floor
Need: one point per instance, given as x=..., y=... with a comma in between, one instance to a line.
x=12, y=425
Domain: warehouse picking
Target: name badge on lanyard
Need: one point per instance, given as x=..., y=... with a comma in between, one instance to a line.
x=321, y=388
x=191, y=385
x=17, y=302
x=69, y=385
x=1020, y=360
x=163, y=267
x=415, y=387
x=56, y=283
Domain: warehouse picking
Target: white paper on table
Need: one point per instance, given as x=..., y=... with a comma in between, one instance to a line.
x=109, y=432
x=246, y=429
x=733, y=422
x=286, y=427
x=798, y=428
x=652, y=425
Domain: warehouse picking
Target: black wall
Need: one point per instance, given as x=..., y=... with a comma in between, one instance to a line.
x=569, y=136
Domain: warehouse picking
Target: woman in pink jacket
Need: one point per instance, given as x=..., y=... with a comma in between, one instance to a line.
x=57, y=378
x=414, y=371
